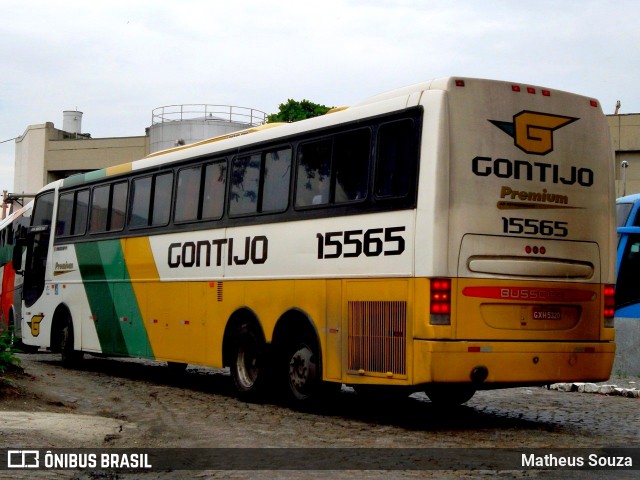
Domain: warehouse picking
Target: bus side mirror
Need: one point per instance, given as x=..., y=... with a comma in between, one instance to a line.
x=16, y=258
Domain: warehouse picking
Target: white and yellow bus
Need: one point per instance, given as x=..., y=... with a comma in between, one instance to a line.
x=445, y=237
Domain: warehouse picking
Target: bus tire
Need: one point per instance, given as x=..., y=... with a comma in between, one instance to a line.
x=300, y=369
x=70, y=357
x=247, y=366
x=450, y=395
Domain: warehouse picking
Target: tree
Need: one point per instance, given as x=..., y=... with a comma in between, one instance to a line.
x=292, y=111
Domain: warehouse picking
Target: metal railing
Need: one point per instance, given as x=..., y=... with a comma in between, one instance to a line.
x=209, y=113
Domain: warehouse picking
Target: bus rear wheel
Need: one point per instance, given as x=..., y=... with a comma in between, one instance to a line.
x=247, y=363
x=450, y=395
x=301, y=371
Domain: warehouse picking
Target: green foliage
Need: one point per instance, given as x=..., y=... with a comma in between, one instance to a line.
x=292, y=111
x=7, y=351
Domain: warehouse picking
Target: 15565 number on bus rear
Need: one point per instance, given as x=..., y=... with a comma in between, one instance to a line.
x=531, y=226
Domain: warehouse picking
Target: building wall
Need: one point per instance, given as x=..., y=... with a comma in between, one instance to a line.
x=29, y=172
x=45, y=153
x=625, y=138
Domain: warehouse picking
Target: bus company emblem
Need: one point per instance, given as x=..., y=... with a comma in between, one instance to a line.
x=62, y=268
x=532, y=132
x=35, y=325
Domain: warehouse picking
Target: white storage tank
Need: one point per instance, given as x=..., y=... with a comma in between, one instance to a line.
x=72, y=121
x=174, y=125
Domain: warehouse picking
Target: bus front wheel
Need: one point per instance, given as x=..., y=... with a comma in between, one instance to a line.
x=70, y=357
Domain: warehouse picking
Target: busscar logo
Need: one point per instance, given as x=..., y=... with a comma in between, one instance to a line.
x=532, y=132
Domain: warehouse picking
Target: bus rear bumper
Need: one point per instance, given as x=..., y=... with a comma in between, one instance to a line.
x=492, y=364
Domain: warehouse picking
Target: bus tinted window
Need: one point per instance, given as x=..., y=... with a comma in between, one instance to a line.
x=100, y=208
x=314, y=173
x=395, y=167
x=213, y=195
x=163, y=187
x=277, y=174
x=141, y=200
x=351, y=165
x=118, y=206
x=151, y=203
x=334, y=170
x=260, y=182
x=108, y=206
x=81, y=213
x=187, y=194
x=65, y=214
x=245, y=183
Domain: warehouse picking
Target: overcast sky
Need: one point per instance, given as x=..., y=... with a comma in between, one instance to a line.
x=118, y=60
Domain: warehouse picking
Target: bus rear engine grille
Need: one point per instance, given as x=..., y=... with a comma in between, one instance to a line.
x=377, y=337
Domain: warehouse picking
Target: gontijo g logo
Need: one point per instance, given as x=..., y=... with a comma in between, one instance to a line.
x=532, y=132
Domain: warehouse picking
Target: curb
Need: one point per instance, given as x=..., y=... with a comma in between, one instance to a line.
x=606, y=389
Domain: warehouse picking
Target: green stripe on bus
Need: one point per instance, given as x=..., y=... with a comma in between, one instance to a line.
x=111, y=299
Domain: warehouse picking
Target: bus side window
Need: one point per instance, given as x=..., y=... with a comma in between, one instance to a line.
x=187, y=193
x=245, y=184
x=99, y=209
x=277, y=176
x=215, y=178
x=314, y=173
x=65, y=214
x=151, y=200
x=396, y=159
x=118, y=206
x=73, y=211
x=351, y=165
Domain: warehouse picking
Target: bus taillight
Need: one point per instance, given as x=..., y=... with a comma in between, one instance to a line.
x=440, y=301
x=609, y=305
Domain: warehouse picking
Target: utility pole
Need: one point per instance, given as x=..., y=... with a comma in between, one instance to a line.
x=4, y=204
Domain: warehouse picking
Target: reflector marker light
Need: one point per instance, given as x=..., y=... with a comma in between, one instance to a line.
x=535, y=250
x=515, y=88
x=593, y=103
x=531, y=90
x=459, y=83
x=479, y=349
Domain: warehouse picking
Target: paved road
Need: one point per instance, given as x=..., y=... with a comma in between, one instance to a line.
x=135, y=404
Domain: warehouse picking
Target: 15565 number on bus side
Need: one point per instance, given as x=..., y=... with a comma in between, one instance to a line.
x=353, y=243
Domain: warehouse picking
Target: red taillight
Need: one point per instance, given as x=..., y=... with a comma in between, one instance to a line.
x=609, y=301
x=440, y=301
x=593, y=103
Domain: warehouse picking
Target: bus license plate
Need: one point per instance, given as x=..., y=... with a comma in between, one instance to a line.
x=547, y=313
